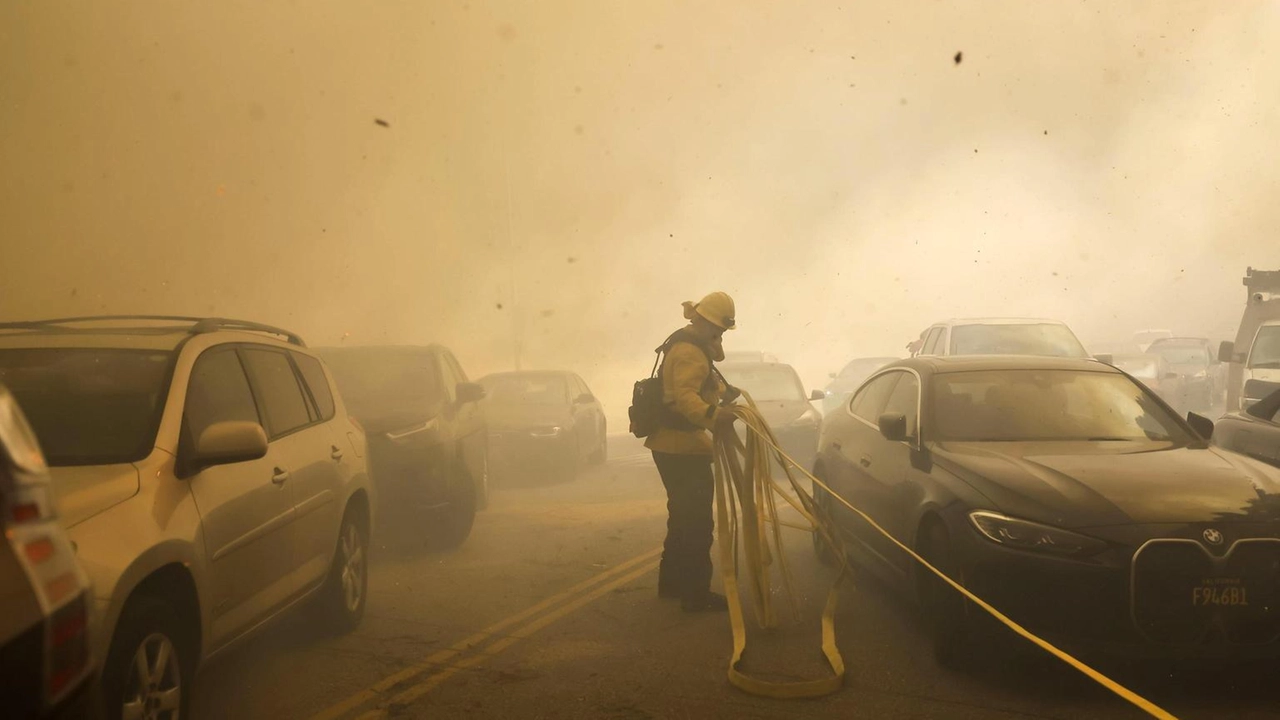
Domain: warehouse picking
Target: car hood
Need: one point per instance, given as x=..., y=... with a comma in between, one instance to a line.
x=85, y=491
x=1081, y=485
x=520, y=417
x=782, y=412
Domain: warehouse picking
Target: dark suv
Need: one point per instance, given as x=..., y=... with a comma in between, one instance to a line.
x=427, y=437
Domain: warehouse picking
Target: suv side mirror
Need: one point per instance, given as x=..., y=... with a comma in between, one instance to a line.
x=817, y=395
x=469, y=392
x=893, y=426
x=1201, y=424
x=1225, y=350
x=224, y=443
x=1104, y=358
x=584, y=398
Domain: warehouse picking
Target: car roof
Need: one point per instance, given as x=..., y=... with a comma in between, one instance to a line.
x=135, y=332
x=941, y=364
x=747, y=364
x=998, y=321
x=1181, y=341
x=530, y=373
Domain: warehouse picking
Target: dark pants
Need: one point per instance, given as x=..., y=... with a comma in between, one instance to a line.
x=685, y=571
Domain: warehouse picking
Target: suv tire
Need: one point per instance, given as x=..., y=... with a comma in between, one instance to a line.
x=346, y=590
x=151, y=627
x=449, y=526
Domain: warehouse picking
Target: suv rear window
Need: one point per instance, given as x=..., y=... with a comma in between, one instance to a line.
x=90, y=406
x=1046, y=339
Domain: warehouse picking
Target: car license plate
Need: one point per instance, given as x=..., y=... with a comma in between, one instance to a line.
x=1220, y=592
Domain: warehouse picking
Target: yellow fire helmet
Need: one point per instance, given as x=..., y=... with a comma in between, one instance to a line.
x=717, y=308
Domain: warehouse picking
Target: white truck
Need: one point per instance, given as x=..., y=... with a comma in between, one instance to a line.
x=1254, y=357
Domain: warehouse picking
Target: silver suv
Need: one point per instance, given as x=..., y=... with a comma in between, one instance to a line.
x=208, y=473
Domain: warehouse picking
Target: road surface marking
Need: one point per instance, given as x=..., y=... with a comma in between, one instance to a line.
x=425, y=686
x=436, y=659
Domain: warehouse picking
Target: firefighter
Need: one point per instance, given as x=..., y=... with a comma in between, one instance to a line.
x=692, y=392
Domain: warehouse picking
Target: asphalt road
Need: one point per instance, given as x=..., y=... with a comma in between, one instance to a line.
x=550, y=611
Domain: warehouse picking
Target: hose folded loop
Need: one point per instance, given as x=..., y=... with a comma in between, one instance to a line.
x=744, y=478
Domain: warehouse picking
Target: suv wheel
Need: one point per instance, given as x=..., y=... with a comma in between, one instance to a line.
x=150, y=665
x=347, y=586
x=449, y=526
x=821, y=548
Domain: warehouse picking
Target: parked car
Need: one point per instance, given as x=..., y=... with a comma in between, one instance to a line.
x=44, y=595
x=549, y=418
x=1254, y=432
x=1143, y=338
x=781, y=399
x=1200, y=374
x=1152, y=370
x=1065, y=494
x=848, y=379
x=999, y=336
x=428, y=446
x=1253, y=359
x=208, y=475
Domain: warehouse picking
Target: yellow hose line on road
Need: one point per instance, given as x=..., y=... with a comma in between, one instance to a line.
x=751, y=484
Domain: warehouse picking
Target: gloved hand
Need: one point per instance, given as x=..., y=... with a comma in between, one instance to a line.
x=724, y=420
x=730, y=395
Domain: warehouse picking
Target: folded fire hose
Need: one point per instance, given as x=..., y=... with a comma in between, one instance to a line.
x=744, y=479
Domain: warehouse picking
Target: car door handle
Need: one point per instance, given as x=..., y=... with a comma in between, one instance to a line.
x=864, y=461
x=336, y=454
x=280, y=476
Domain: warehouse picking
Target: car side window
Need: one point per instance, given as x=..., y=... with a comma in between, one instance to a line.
x=931, y=342
x=317, y=383
x=905, y=400
x=217, y=392
x=867, y=403
x=277, y=389
x=582, y=386
x=447, y=376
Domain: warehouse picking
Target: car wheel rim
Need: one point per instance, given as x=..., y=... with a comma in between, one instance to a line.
x=352, y=568
x=154, y=687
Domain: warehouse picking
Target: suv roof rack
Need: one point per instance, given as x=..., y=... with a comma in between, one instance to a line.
x=198, y=325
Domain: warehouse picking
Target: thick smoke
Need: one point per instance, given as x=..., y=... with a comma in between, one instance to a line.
x=550, y=180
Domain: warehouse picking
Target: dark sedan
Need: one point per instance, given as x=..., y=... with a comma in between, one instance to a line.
x=544, y=417
x=1196, y=364
x=1068, y=496
x=1254, y=432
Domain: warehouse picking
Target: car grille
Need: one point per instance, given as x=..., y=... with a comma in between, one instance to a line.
x=1182, y=594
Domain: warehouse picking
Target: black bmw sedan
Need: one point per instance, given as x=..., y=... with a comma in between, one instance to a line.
x=1066, y=495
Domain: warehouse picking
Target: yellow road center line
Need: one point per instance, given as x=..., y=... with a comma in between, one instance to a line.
x=354, y=701
x=430, y=683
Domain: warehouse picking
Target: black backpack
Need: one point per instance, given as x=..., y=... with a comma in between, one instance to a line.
x=648, y=410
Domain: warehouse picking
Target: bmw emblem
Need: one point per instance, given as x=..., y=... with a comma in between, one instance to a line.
x=1213, y=537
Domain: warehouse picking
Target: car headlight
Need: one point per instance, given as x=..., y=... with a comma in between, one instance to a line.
x=809, y=419
x=1026, y=535
x=551, y=431
x=1201, y=374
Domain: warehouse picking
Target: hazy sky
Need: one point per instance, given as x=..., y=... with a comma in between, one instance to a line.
x=576, y=169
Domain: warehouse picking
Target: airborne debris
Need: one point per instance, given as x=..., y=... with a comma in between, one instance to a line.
x=959, y=57
x=383, y=123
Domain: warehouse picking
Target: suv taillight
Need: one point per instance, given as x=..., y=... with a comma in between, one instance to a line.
x=68, y=646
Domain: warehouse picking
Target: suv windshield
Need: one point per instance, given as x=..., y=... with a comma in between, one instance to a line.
x=1049, y=339
x=1266, y=348
x=1033, y=405
x=89, y=406
x=766, y=383
x=386, y=384
x=526, y=390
